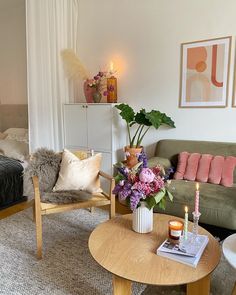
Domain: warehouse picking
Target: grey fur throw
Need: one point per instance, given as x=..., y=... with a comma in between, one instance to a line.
x=45, y=164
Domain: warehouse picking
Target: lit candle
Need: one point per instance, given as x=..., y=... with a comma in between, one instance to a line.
x=175, y=229
x=197, y=199
x=111, y=86
x=186, y=223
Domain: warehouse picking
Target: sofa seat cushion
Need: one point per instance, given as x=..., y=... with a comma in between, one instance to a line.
x=217, y=203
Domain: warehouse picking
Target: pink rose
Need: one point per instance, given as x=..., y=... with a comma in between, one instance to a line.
x=146, y=175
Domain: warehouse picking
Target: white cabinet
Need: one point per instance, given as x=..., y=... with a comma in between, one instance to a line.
x=98, y=127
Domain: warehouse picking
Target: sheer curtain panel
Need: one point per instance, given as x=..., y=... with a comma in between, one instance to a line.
x=51, y=26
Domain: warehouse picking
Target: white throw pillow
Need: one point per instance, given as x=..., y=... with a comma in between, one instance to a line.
x=19, y=134
x=14, y=149
x=76, y=174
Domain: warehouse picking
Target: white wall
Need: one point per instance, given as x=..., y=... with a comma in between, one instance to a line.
x=143, y=39
x=13, y=85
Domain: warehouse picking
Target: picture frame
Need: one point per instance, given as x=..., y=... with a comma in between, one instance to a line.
x=205, y=73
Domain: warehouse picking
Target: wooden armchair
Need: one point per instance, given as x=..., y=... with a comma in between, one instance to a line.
x=95, y=200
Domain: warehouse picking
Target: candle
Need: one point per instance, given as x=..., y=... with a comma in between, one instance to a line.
x=197, y=199
x=111, y=86
x=186, y=223
x=175, y=229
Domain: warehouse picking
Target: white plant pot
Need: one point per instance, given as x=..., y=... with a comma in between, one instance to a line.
x=143, y=219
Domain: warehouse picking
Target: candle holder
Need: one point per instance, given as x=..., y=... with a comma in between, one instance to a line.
x=196, y=217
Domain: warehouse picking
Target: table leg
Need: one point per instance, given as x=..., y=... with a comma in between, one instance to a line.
x=201, y=287
x=121, y=286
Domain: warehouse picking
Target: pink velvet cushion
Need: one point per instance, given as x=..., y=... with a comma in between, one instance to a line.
x=216, y=169
x=192, y=166
x=182, y=163
x=228, y=171
x=204, y=168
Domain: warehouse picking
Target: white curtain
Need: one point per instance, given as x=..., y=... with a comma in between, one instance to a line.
x=51, y=25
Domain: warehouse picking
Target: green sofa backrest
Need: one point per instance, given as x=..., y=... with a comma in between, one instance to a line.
x=170, y=148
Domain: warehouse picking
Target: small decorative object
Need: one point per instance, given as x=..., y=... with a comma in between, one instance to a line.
x=111, y=86
x=143, y=187
x=186, y=223
x=175, y=229
x=144, y=121
x=205, y=68
x=98, y=84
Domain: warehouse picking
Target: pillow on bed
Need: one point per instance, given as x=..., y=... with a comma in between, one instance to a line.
x=19, y=134
x=14, y=149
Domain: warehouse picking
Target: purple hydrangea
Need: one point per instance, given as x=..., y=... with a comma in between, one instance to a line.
x=143, y=158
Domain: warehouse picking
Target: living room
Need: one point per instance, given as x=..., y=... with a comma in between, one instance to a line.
x=144, y=46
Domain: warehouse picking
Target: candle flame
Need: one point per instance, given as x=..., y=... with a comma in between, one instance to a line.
x=197, y=186
x=186, y=209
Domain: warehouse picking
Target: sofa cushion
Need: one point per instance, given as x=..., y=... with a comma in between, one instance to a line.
x=227, y=171
x=181, y=167
x=217, y=204
x=192, y=166
x=204, y=168
x=216, y=169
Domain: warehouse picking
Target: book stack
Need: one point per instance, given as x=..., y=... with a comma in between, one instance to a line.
x=190, y=254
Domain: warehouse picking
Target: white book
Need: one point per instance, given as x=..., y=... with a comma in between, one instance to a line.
x=188, y=255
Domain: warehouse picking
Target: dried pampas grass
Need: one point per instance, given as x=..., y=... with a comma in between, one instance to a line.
x=73, y=66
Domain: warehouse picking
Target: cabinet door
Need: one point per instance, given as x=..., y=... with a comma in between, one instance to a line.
x=99, y=118
x=75, y=126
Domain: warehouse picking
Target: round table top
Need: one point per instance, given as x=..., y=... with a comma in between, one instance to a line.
x=130, y=255
x=229, y=249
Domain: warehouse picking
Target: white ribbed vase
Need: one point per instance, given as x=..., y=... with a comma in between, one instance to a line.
x=143, y=219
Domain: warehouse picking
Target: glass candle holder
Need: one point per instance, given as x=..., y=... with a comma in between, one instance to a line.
x=175, y=229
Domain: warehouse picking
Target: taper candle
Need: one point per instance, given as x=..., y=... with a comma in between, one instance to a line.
x=186, y=223
x=197, y=199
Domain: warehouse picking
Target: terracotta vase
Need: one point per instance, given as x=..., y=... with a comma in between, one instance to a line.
x=132, y=155
x=88, y=92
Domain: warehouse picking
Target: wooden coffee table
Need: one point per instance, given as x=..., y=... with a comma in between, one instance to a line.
x=131, y=257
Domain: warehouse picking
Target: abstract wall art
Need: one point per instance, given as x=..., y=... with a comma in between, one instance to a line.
x=204, y=73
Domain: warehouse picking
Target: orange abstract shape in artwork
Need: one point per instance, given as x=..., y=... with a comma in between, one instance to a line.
x=213, y=68
x=201, y=66
x=196, y=55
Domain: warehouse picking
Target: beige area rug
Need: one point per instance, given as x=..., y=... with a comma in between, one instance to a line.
x=67, y=267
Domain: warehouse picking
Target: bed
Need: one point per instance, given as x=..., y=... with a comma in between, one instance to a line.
x=14, y=153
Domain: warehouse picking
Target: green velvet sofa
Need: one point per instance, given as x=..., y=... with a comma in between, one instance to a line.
x=217, y=203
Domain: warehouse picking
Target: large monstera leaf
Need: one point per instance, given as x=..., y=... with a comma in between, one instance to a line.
x=141, y=118
x=157, y=119
x=127, y=113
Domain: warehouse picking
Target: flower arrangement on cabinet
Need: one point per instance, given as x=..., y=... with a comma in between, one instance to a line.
x=141, y=183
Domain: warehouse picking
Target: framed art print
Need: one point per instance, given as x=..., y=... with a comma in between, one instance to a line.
x=204, y=73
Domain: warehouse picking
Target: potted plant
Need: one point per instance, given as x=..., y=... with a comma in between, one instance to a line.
x=144, y=121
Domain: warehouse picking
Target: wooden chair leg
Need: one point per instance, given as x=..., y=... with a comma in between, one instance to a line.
x=38, y=217
x=34, y=214
x=39, y=233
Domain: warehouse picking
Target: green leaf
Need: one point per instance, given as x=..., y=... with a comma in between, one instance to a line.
x=127, y=113
x=157, y=119
x=150, y=202
x=162, y=204
x=161, y=194
x=141, y=119
x=118, y=177
x=170, y=195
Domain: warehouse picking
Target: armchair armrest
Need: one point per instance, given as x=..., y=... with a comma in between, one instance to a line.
x=105, y=175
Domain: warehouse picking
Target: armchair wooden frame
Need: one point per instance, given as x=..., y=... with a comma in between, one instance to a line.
x=41, y=208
